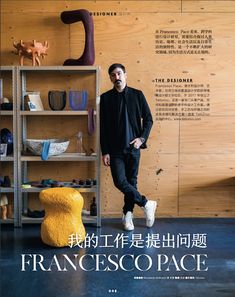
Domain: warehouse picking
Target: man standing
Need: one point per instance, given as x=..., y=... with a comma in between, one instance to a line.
x=125, y=124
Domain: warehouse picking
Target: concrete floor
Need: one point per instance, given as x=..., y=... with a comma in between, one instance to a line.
x=218, y=281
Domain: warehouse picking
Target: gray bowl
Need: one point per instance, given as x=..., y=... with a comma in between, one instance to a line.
x=57, y=146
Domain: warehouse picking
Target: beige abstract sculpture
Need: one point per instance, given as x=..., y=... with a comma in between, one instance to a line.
x=3, y=205
x=31, y=50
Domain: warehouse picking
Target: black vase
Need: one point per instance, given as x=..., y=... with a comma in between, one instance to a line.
x=6, y=182
x=57, y=100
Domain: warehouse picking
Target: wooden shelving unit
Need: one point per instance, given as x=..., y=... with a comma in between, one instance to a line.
x=8, y=75
x=21, y=159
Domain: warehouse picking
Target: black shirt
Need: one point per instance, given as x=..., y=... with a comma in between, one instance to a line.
x=125, y=133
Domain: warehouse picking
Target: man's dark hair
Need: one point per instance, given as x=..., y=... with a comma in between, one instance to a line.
x=116, y=65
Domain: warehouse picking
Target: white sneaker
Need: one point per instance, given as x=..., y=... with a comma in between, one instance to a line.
x=149, y=209
x=127, y=221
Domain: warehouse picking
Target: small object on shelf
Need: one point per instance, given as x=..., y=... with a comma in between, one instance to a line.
x=6, y=182
x=4, y=212
x=7, y=137
x=56, y=184
x=26, y=186
x=85, y=212
x=91, y=121
x=57, y=146
x=91, y=153
x=88, y=182
x=93, y=208
x=3, y=204
x=6, y=106
x=5, y=100
x=3, y=200
x=47, y=182
x=45, y=150
x=94, y=182
x=82, y=182
x=35, y=213
x=31, y=50
x=1, y=90
x=10, y=211
x=34, y=101
x=3, y=149
x=57, y=100
x=75, y=181
x=78, y=100
x=79, y=143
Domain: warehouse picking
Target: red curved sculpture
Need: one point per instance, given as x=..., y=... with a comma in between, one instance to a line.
x=73, y=16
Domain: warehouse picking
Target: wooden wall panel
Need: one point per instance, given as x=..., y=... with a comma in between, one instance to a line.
x=7, y=85
x=210, y=135
x=164, y=138
x=97, y=6
x=6, y=168
x=223, y=6
x=45, y=170
x=207, y=185
x=197, y=178
x=6, y=122
x=158, y=180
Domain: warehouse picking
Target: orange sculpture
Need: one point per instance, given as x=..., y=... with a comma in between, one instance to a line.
x=31, y=50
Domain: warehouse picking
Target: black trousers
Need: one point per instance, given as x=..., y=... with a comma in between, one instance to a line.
x=124, y=169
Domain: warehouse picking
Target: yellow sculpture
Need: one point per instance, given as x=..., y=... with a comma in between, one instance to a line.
x=63, y=208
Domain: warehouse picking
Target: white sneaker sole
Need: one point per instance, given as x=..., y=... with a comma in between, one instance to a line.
x=128, y=228
x=151, y=223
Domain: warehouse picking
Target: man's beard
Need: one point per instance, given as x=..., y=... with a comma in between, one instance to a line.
x=118, y=81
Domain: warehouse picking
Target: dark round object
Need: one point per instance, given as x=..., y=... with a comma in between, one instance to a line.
x=57, y=100
x=88, y=182
x=6, y=182
x=81, y=182
x=7, y=137
x=55, y=184
x=7, y=106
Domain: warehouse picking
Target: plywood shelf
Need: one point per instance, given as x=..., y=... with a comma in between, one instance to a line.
x=55, y=113
x=38, y=190
x=86, y=219
x=7, y=221
x=6, y=112
x=63, y=157
x=60, y=68
x=6, y=190
x=6, y=159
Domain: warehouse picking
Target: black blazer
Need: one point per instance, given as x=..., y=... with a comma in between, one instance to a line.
x=138, y=111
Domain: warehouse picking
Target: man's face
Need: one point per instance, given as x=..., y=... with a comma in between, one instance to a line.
x=118, y=78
